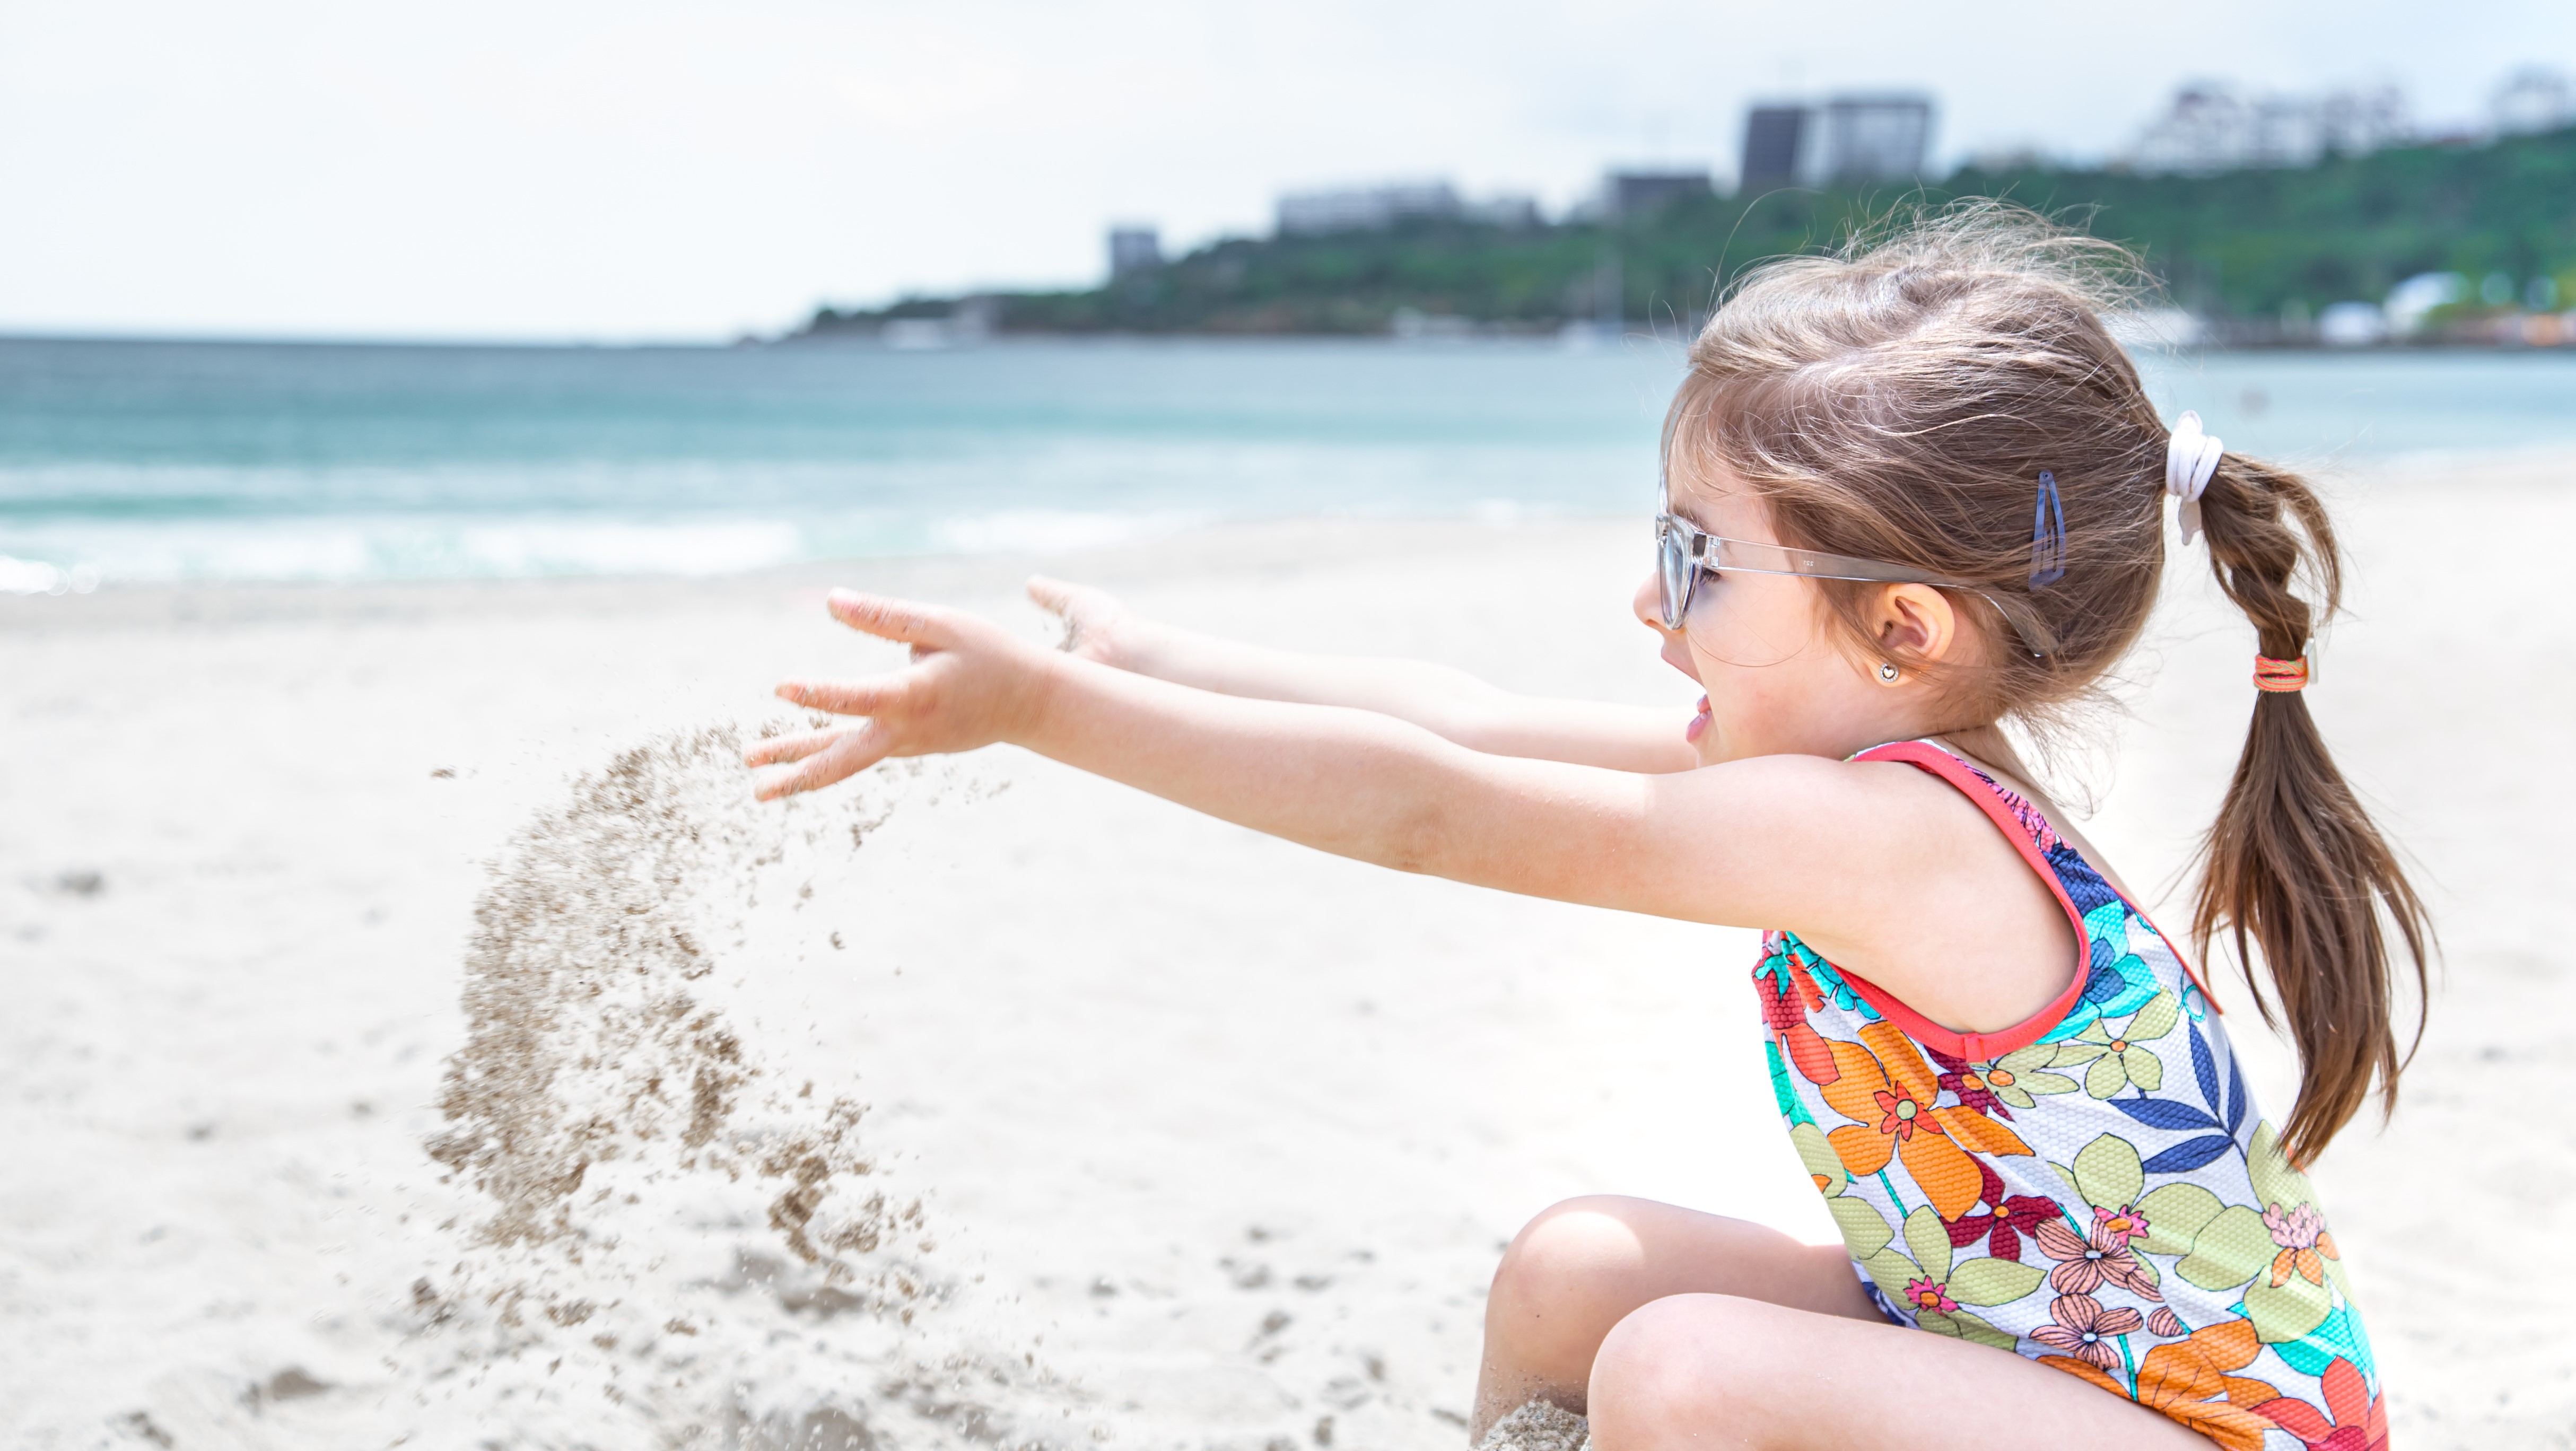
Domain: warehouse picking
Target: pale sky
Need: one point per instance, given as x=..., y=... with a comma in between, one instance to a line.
x=626, y=169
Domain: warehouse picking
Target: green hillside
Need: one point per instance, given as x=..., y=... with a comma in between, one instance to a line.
x=2252, y=246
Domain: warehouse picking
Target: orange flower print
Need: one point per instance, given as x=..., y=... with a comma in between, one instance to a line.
x=1892, y=1096
x=2360, y=1419
x=2192, y=1380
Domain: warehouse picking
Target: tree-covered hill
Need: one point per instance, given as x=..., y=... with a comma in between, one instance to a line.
x=2253, y=247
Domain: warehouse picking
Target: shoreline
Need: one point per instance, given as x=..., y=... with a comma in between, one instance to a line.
x=2508, y=469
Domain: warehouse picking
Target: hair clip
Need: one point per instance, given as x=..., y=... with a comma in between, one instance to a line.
x=2048, y=535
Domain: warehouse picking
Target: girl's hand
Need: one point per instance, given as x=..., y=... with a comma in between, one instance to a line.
x=1096, y=625
x=970, y=684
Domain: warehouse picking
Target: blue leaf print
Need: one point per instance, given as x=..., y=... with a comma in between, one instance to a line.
x=2206, y=1070
x=2235, y=1094
x=2164, y=1113
x=2084, y=886
x=2190, y=1154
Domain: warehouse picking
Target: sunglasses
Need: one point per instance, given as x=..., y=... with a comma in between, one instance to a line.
x=1684, y=553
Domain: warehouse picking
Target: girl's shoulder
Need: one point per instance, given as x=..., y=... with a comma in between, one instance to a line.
x=1982, y=915
x=1994, y=773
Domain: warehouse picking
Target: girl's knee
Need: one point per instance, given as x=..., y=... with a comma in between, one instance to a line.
x=1569, y=1253
x=1679, y=1366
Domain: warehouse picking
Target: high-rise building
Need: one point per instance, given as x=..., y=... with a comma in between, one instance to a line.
x=1876, y=137
x=1849, y=139
x=1775, y=138
x=1134, y=249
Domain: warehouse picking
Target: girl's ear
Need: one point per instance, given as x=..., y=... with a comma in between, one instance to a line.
x=1916, y=624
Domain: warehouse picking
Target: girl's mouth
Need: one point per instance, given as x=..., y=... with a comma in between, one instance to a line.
x=1698, y=726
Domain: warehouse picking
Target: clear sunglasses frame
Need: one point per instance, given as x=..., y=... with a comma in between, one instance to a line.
x=1684, y=551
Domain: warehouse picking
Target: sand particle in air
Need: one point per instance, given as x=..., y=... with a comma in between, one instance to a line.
x=663, y=1213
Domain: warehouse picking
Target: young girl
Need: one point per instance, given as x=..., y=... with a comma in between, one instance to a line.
x=1912, y=492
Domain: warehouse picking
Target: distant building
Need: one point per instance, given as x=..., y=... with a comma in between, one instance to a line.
x=1366, y=209
x=1133, y=250
x=1876, y=138
x=1636, y=193
x=2212, y=127
x=1848, y=139
x=1775, y=142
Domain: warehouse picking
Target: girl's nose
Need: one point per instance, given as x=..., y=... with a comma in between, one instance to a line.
x=1649, y=604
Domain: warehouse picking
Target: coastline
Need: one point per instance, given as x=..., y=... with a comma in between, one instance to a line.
x=1120, y=1044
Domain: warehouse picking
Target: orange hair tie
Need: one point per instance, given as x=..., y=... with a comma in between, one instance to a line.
x=2280, y=676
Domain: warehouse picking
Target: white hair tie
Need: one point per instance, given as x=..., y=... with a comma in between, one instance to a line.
x=2191, y=456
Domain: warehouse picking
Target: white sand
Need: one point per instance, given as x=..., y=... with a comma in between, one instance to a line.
x=1232, y=1131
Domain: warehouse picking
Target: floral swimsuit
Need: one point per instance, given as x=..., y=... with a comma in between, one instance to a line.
x=2092, y=1189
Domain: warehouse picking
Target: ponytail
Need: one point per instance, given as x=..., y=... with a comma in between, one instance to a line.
x=2293, y=862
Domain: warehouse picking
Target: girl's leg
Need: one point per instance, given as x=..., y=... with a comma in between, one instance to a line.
x=1586, y=1264
x=1707, y=1371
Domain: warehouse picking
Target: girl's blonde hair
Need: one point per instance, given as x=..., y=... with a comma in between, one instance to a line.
x=1899, y=400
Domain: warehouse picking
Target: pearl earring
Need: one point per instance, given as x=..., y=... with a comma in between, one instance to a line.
x=1887, y=672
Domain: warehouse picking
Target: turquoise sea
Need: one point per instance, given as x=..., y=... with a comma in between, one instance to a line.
x=126, y=461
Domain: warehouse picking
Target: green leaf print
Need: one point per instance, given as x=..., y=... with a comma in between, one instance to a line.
x=2275, y=1182
x=1891, y=1270
x=2228, y=1250
x=2154, y=1020
x=1929, y=1239
x=1824, y=1166
x=2287, y=1310
x=1865, y=1231
x=1992, y=1282
x=2016, y=1077
x=2175, y=1216
x=2120, y=1057
x=2107, y=1173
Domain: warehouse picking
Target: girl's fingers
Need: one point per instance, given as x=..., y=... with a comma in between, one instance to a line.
x=845, y=697
x=789, y=748
x=1052, y=595
x=892, y=619
x=852, y=753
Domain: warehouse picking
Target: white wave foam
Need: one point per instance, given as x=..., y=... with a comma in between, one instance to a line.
x=40, y=577
x=332, y=551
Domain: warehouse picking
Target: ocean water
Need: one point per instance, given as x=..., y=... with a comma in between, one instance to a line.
x=129, y=462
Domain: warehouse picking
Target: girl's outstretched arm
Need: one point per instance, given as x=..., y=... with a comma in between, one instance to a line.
x=1448, y=702
x=1770, y=841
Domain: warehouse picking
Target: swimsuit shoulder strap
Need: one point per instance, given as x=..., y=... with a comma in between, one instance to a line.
x=2081, y=890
